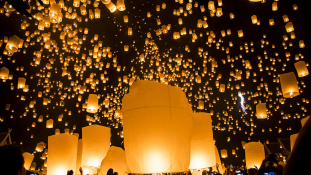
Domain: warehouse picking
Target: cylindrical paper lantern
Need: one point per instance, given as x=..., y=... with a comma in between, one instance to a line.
x=261, y=111
x=21, y=83
x=62, y=154
x=120, y=5
x=201, y=104
x=254, y=154
x=289, y=27
x=13, y=44
x=114, y=159
x=96, y=143
x=224, y=153
x=157, y=128
x=111, y=7
x=92, y=103
x=289, y=85
x=222, y=88
x=202, y=142
x=4, y=73
x=49, y=123
x=301, y=69
x=28, y=158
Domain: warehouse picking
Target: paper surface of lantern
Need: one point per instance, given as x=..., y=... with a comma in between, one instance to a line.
x=79, y=155
x=202, y=142
x=301, y=69
x=157, y=128
x=261, y=111
x=4, y=73
x=28, y=158
x=92, y=104
x=114, y=159
x=289, y=85
x=96, y=143
x=293, y=138
x=62, y=154
x=218, y=161
x=21, y=83
x=224, y=153
x=304, y=121
x=254, y=154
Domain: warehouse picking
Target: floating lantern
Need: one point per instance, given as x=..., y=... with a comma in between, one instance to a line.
x=111, y=7
x=289, y=27
x=289, y=85
x=114, y=159
x=28, y=158
x=222, y=88
x=202, y=142
x=254, y=154
x=106, y=1
x=126, y=18
x=49, y=123
x=274, y=6
x=129, y=31
x=21, y=83
x=254, y=19
x=304, y=120
x=224, y=153
x=92, y=103
x=13, y=44
x=62, y=153
x=96, y=142
x=261, y=111
x=150, y=111
x=201, y=104
x=301, y=69
x=54, y=13
x=240, y=33
x=120, y=5
x=4, y=73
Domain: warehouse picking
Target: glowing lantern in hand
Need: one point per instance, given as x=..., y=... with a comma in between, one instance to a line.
x=202, y=143
x=254, y=154
x=289, y=85
x=13, y=44
x=157, y=128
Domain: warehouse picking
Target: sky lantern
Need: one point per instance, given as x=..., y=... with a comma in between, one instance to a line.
x=21, y=83
x=4, y=73
x=92, y=103
x=254, y=154
x=129, y=31
x=96, y=142
x=54, y=13
x=114, y=159
x=13, y=44
x=49, y=123
x=62, y=153
x=106, y=1
x=301, y=69
x=202, y=142
x=150, y=111
x=222, y=88
x=111, y=7
x=274, y=6
x=201, y=104
x=289, y=85
x=240, y=33
x=289, y=27
x=224, y=153
x=28, y=158
x=254, y=19
x=126, y=18
x=261, y=111
x=120, y=5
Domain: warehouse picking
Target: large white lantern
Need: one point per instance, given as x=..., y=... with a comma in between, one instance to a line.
x=254, y=154
x=289, y=85
x=202, y=142
x=157, y=128
x=114, y=159
x=96, y=143
x=79, y=155
x=62, y=154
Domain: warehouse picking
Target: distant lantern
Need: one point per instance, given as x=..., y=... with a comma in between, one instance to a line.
x=4, y=73
x=114, y=159
x=289, y=85
x=54, y=13
x=254, y=19
x=254, y=154
x=289, y=27
x=62, y=153
x=40, y=146
x=97, y=13
x=129, y=31
x=126, y=18
x=261, y=111
x=13, y=44
x=293, y=138
x=28, y=158
x=96, y=142
x=301, y=69
x=21, y=83
x=126, y=48
x=111, y=7
x=274, y=6
x=240, y=33
x=120, y=5
x=160, y=109
x=92, y=103
x=224, y=153
x=222, y=88
x=201, y=104
x=202, y=151
x=49, y=123
x=219, y=12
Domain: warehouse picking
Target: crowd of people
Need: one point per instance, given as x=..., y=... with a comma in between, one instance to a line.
x=298, y=163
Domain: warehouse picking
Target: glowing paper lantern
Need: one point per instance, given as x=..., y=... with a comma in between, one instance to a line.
x=49, y=123
x=120, y=5
x=222, y=88
x=202, y=142
x=96, y=143
x=289, y=27
x=301, y=69
x=157, y=128
x=54, y=13
x=114, y=159
x=4, y=73
x=289, y=85
x=224, y=153
x=111, y=7
x=261, y=111
x=28, y=158
x=293, y=138
x=254, y=154
x=201, y=104
x=254, y=19
x=92, y=103
x=62, y=154
x=106, y=1
x=13, y=44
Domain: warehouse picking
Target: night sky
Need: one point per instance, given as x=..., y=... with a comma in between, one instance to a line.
x=262, y=45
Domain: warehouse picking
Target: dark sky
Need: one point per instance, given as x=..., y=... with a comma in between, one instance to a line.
x=112, y=31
